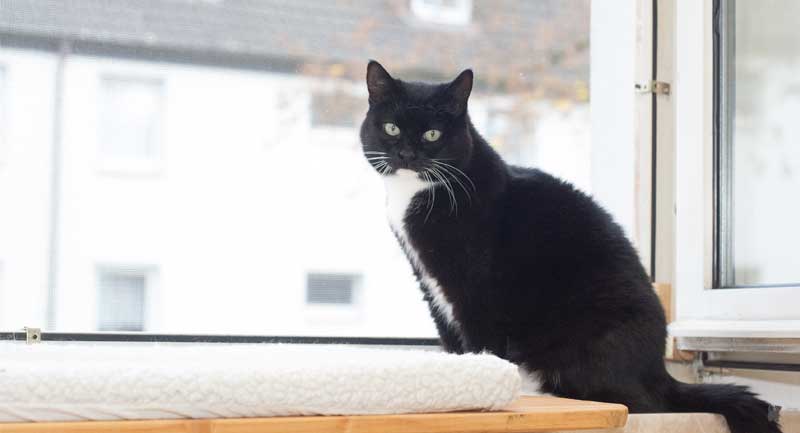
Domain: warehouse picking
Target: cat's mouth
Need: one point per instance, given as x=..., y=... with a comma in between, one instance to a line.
x=408, y=165
x=405, y=168
x=386, y=164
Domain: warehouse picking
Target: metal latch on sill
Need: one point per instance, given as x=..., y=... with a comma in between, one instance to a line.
x=657, y=87
x=33, y=335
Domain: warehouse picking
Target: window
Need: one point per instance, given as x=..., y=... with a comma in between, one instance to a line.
x=130, y=119
x=336, y=109
x=331, y=289
x=758, y=155
x=714, y=187
x=264, y=217
x=121, y=296
x=455, y=12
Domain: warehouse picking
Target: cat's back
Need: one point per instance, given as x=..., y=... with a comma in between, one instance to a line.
x=550, y=218
x=535, y=193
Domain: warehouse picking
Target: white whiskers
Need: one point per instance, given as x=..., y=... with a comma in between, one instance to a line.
x=383, y=167
x=431, y=191
x=438, y=172
x=446, y=174
x=451, y=194
x=441, y=164
x=379, y=162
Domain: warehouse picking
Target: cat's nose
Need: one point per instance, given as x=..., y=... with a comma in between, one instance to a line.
x=406, y=155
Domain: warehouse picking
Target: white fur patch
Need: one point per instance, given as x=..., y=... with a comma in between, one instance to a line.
x=531, y=382
x=401, y=187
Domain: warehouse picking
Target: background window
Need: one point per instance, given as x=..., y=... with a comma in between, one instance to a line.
x=121, y=295
x=130, y=118
x=331, y=289
x=457, y=12
x=759, y=144
x=337, y=109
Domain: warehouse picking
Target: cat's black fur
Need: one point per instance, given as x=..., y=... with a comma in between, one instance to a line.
x=537, y=272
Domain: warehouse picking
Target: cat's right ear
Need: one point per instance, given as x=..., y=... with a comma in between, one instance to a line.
x=380, y=84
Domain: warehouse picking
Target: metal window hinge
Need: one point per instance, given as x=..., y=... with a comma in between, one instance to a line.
x=657, y=87
x=33, y=335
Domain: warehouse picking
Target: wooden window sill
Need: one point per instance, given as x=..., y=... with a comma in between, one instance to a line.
x=528, y=414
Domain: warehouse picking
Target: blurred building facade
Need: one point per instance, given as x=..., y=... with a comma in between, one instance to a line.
x=193, y=166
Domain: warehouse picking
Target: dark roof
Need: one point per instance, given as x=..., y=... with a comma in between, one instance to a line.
x=506, y=41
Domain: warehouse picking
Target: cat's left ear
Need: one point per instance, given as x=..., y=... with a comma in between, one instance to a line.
x=457, y=93
x=380, y=84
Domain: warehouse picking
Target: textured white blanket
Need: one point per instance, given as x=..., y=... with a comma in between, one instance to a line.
x=48, y=382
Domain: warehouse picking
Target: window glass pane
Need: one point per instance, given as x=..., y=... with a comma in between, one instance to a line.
x=263, y=216
x=766, y=143
x=121, y=300
x=333, y=289
x=129, y=123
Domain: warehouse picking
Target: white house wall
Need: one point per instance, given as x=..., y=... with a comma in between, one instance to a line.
x=25, y=185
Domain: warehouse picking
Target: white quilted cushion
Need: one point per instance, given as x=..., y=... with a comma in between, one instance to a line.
x=48, y=382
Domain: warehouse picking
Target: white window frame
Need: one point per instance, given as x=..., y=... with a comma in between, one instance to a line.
x=763, y=312
x=621, y=152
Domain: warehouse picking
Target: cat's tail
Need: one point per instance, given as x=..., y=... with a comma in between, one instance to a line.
x=744, y=412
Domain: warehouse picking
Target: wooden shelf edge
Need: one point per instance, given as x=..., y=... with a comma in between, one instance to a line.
x=528, y=414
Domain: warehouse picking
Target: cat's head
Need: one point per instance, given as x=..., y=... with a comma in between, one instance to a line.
x=416, y=126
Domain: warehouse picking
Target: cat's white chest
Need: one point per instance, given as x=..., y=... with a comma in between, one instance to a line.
x=401, y=187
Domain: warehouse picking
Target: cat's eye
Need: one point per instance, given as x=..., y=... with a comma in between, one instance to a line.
x=391, y=129
x=432, y=135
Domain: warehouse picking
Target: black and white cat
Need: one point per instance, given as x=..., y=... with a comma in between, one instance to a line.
x=521, y=264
